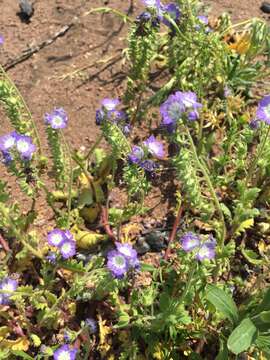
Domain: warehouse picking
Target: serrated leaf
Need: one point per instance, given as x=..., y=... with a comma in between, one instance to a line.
x=223, y=302
x=247, y=224
x=242, y=337
x=251, y=256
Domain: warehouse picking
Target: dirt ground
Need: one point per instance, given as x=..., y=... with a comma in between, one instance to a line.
x=94, y=39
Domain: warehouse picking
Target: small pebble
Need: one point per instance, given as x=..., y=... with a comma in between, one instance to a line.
x=26, y=9
x=265, y=7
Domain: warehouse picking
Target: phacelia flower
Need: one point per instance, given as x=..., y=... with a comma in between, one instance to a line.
x=110, y=104
x=100, y=115
x=203, y=19
x=126, y=250
x=68, y=249
x=25, y=147
x=65, y=352
x=173, y=11
x=206, y=251
x=154, y=146
x=263, y=111
x=9, y=285
x=92, y=325
x=69, y=235
x=193, y=115
x=51, y=257
x=1, y=40
x=56, y=237
x=148, y=166
x=254, y=124
x=136, y=155
x=117, y=263
x=172, y=109
x=189, y=100
x=190, y=241
x=8, y=141
x=57, y=119
x=7, y=158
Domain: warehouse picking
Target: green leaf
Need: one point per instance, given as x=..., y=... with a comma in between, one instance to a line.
x=242, y=337
x=22, y=354
x=223, y=302
x=223, y=353
x=251, y=256
x=247, y=224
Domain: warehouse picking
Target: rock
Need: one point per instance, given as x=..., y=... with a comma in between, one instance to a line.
x=26, y=10
x=141, y=246
x=265, y=7
x=156, y=240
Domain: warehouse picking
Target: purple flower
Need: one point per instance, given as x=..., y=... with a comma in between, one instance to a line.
x=126, y=250
x=9, y=285
x=149, y=166
x=136, y=155
x=65, y=352
x=193, y=115
x=8, y=141
x=254, y=124
x=263, y=111
x=110, y=104
x=190, y=241
x=68, y=249
x=92, y=325
x=117, y=263
x=126, y=129
x=206, y=251
x=203, y=19
x=1, y=40
x=100, y=115
x=155, y=147
x=188, y=99
x=173, y=11
x=69, y=235
x=25, y=147
x=57, y=119
x=51, y=257
x=172, y=109
x=144, y=16
x=56, y=237
x=7, y=158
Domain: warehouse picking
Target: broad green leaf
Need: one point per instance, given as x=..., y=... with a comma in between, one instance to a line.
x=242, y=337
x=223, y=302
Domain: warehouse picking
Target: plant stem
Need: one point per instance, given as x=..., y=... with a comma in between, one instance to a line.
x=205, y=172
x=173, y=232
x=255, y=160
x=92, y=149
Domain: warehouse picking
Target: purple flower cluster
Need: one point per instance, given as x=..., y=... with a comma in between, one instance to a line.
x=57, y=119
x=122, y=259
x=108, y=112
x=172, y=10
x=64, y=241
x=203, y=250
x=65, y=352
x=139, y=154
x=179, y=105
x=9, y=285
x=14, y=141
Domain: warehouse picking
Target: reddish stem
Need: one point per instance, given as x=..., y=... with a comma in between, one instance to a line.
x=173, y=232
x=4, y=244
x=105, y=223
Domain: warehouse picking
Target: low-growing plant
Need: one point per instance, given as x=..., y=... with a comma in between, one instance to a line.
x=91, y=288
